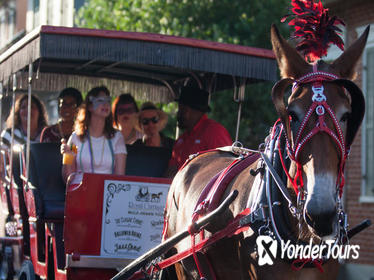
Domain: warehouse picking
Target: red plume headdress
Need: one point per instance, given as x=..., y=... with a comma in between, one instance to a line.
x=315, y=27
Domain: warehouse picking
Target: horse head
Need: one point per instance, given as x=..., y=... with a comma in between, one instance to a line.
x=321, y=118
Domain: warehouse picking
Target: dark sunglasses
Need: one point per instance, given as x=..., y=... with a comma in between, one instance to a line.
x=66, y=104
x=121, y=111
x=146, y=121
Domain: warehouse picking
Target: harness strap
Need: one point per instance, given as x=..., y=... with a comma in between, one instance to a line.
x=194, y=255
x=233, y=228
x=112, y=153
x=300, y=263
x=213, y=191
x=191, y=157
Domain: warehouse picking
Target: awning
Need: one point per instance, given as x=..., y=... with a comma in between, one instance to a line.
x=150, y=66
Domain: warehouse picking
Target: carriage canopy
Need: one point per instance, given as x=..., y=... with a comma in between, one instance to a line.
x=151, y=66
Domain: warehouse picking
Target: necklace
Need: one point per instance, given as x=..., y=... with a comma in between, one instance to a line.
x=91, y=153
x=93, y=162
x=129, y=138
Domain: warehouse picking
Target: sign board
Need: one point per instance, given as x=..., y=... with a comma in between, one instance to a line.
x=132, y=217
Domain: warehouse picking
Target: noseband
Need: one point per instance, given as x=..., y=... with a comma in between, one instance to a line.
x=322, y=109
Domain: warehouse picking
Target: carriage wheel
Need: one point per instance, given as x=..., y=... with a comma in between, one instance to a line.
x=27, y=271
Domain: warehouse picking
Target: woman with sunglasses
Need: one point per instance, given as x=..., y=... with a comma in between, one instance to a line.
x=152, y=121
x=125, y=117
x=96, y=146
x=69, y=100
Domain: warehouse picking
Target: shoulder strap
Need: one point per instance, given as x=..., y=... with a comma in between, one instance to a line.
x=112, y=152
x=80, y=157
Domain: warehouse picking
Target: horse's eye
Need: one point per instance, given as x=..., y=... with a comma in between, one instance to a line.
x=345, y=117
x=293, y=116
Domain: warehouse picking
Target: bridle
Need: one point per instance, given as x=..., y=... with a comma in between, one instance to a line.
x=322, y=109
x=294, y=146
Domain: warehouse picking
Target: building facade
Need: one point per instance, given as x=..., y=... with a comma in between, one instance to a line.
x=359, y=189
x=19, y=17
x=12, y=21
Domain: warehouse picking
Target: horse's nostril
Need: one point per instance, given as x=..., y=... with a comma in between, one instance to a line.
x=321, y=222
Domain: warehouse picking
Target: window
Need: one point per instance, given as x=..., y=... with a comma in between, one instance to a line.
x=11, y=22
x=7, y=23
x=36, y=9
x=78, y=4
x=369, y=124
x=367, y=192
x=3, y=32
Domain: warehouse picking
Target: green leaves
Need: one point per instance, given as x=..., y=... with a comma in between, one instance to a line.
x=244, y=22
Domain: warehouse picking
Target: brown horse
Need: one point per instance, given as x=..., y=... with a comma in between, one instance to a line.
x=317, y=140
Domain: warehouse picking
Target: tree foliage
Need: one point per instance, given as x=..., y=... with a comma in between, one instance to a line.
x=244, y=22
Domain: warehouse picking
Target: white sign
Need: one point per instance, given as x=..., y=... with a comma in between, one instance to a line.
x=132, y=217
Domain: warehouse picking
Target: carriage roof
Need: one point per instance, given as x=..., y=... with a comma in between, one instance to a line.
x=150, y=66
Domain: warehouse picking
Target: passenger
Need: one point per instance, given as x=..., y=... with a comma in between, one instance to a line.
x=125, y=115
x=201, y=133
x=152, y=121
x=38, y=121
x=99, y=147
x=69, y=100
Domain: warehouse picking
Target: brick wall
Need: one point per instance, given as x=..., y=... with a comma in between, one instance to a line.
x=355, y=14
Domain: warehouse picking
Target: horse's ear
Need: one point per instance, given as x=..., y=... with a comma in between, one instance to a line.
x=346, y=62
x=290, y=62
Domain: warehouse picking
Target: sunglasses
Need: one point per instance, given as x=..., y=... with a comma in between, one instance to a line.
x=100, y=100
x=146, y=121
x=121, y=111
x=64, y=104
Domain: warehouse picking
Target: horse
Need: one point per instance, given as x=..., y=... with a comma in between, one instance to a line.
x=315, y=130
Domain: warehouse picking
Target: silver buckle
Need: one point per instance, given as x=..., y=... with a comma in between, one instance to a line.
x=318, y=95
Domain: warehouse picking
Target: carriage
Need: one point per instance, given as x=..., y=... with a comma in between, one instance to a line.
x=94, y=230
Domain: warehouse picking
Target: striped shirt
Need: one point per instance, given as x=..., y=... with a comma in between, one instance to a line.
x=19, y=137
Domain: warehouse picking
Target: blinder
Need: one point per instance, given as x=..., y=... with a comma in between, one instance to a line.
x=277, y=96
x=357, y=107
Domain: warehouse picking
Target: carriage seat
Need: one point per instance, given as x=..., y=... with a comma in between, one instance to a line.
x=147, y=161
x=47, y=184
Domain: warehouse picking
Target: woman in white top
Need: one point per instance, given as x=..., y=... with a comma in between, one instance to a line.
x=37, y=123
x=100, y=148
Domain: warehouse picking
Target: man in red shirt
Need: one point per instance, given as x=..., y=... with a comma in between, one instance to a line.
x=200, y=133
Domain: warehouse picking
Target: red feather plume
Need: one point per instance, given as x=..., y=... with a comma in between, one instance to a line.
x=316, y=29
